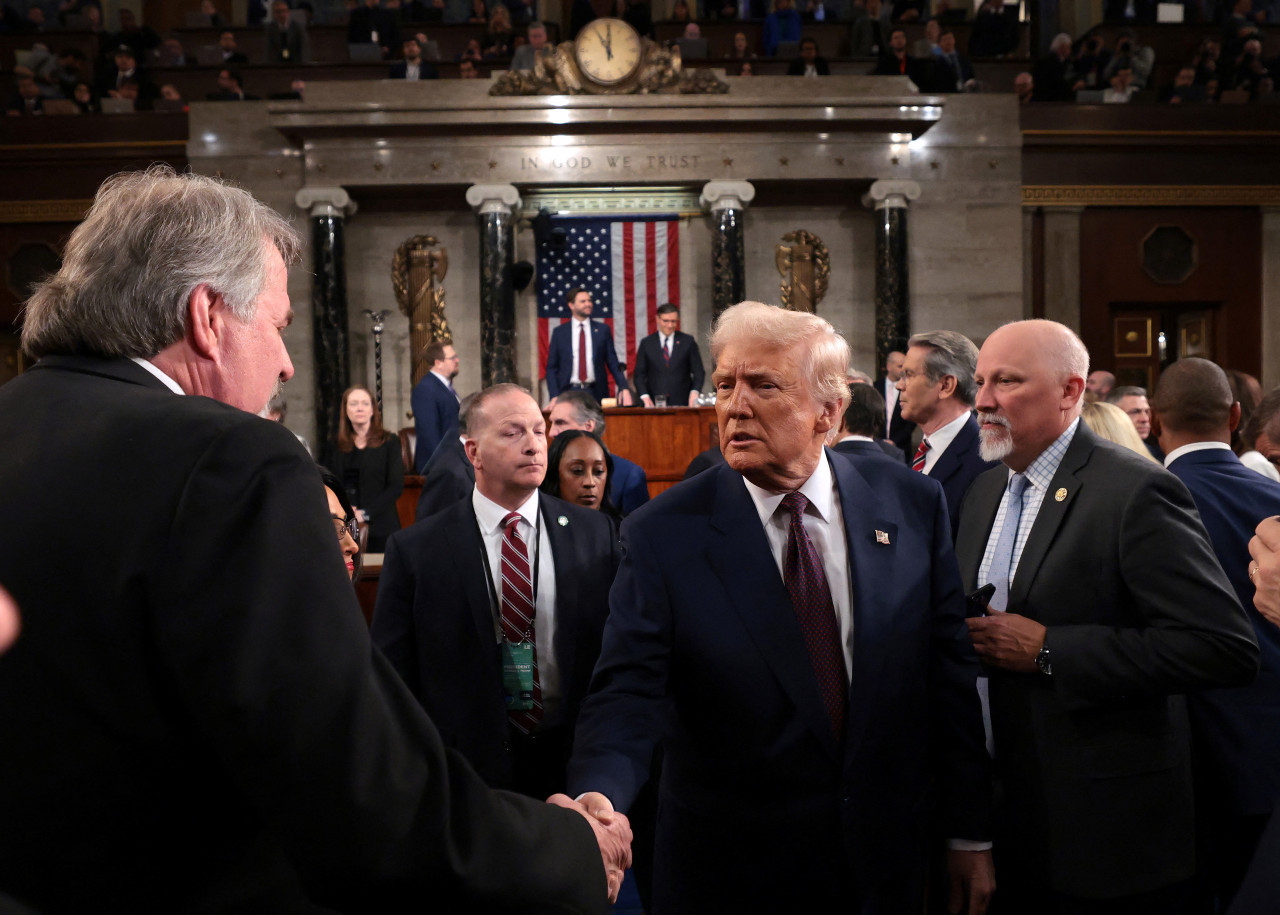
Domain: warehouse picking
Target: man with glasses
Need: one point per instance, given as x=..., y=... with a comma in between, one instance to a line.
x=435, y=402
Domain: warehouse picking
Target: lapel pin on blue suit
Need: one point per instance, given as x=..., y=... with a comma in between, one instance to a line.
x=1060, y=495
x=562, y=521
x=882, y=537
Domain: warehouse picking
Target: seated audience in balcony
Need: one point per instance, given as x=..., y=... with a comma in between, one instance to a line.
x=230, y=88
x=951, y=71
x=131, y=89
x=125, y=67
x=1122, y=88
x=680, y=12
x=26, y=100
x=208, y=8
x=422, y=11
x=864, y=27
x=85, y=98
x=1248, y=73
x=171, y=54
x=783, y=24
x=994, y=32
x=370, y=24
x=1184, y=88
x=1089, y=59
x=809, y=63
x=1130, y=11
x=413, y=66
x=498, y=35
x=231, y=53
x=479, y=14
x=730, y=10
x=928, y=43
x=1207, y=61
x=170, y=93
x=141, y=38
x=527, y=54
x=467, y=70
x=1142, y=58
x=1053, y=81
x=70, y=67
x=1239, y=25
x=746, y=68
x=472, y=51
x=1024, y=87
x=32, y=22
x=285, y=38
x=819, y=11
x=909, y=10
x=894, y=60
x=257, y=12
x=741, y=48
x=638, y=15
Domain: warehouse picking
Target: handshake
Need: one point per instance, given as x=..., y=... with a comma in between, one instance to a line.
x=613, y=833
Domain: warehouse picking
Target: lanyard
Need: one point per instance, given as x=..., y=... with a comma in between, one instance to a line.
x=495, y=605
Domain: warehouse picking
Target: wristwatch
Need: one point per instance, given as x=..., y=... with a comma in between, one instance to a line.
x=1042, y=660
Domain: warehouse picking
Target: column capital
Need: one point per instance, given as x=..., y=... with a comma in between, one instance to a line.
x=325, y=201
x=887, y=193
x=726, y=195
x=493, y=198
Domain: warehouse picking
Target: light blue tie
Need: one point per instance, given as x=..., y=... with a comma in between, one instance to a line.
x=1002, y=560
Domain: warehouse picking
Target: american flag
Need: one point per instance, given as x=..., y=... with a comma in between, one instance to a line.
x=630, y=268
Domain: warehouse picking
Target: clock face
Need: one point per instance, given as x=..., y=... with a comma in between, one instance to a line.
x=608, y=51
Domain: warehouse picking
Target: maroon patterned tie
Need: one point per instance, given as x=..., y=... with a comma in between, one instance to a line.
x=518, y=611
x=582, y=353
x=811, y=600
x=666, y=351
x=917, y=462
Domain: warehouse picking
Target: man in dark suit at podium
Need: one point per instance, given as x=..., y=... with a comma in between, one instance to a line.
x=1236, y=731
x=668, y=363
x=581, y=355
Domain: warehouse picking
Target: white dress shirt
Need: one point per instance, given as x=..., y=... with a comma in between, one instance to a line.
x=940, y=440
x=890, y=401
x=824, y=522
x=576, y=329
x=489, y=515
x=1256, y=462
x=168, y=382
x=1194, y=446
x=412, y=70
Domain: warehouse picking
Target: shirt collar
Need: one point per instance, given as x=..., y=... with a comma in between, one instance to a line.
x=1040, y=472
x=856, y=438
x=489, y=514
x=938, y=441
x=443, y=380
x=818, y=489
x=1194, y=446
x=168, y=382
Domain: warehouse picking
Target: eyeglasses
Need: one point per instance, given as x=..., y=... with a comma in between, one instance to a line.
x=349, y=528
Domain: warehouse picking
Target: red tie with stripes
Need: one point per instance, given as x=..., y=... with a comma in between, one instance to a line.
x=917, y=462
x=811, y=600
x=518, y=611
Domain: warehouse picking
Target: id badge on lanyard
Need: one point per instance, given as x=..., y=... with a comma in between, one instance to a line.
x=517, y=675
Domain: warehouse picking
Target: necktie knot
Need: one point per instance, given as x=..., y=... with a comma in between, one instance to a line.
x=795, y=504
x=511, y=524
x=917, y=461
x=1017, y=483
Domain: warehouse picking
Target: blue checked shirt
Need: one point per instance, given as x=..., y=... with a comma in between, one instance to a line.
x=1040, y=473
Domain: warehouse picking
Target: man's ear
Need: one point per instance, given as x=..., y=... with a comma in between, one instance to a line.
x=1233, y=418
x=471, y=448
x=829, y=418
x=206, y=318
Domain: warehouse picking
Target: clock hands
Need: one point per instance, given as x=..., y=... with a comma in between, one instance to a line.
x=608, y=40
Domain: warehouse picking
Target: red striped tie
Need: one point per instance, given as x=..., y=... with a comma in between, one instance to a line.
x=518, y=611
x=917, y=462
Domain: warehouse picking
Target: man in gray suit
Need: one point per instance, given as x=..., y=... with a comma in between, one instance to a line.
x=286, y=38
x=1109, y=605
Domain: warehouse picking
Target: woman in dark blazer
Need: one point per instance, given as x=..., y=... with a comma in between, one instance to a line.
x=366, y=458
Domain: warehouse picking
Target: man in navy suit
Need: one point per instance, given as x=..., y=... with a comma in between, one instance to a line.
x=413, y=66
x=668, y=363
x=441, y=617
x=580, y=354
x=936, y=392
x=448, y=476
x=1236, y=731
x=579, y=410
x=789, y=625
x=434, y=401
x=862, y=426
x=899, y=429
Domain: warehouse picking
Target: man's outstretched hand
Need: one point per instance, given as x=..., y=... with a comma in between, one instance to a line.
x=613, y=833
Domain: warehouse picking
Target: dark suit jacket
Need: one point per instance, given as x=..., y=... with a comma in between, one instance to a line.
x=426, y=70
x=875, y=448
x=434, y=621
x=1138, y=612
x=796, y=67
x=957, y=467
x=435, y=417
x=629, y=489
x=365, y=20
x=947, y=78
x=1237, y=730
x=654, y=376
x=449, y=478
x=900, y=430
x=704, y=461
x=293, y=39
x=702, y=646
x=561, y=370
x=189, y=718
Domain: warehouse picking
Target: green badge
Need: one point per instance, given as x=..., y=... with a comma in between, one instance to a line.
x=517, y=675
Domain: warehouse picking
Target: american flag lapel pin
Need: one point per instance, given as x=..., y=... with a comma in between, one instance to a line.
x=882, y=537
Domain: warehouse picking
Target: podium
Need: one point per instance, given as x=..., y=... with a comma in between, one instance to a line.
x=662, y=440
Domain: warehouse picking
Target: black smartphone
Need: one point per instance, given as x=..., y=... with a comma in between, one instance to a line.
x=976, y=603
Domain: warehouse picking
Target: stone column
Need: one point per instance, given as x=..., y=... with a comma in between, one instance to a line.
x=726, y=200
x=1062, y=265
x=495, y=204
x=328, y=207
x=893, y=300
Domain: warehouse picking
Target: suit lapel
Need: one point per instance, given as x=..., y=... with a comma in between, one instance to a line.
x=563, y=553
x=1052, y=513
x=739, y=555
x=468, y=556
x=871, y=570
x=976, y=519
